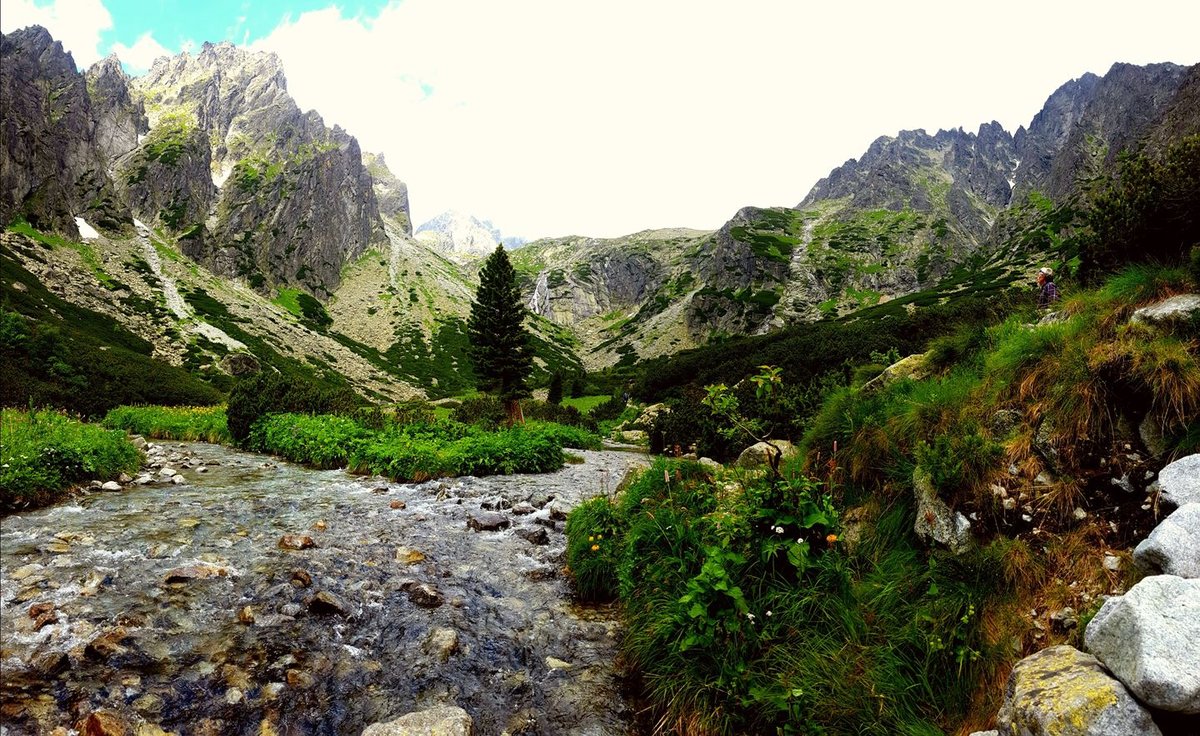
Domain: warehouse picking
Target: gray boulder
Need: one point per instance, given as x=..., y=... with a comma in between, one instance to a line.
x=1173, y=548
x=937, y=522
x=1061, y=691
x=1150, y=639
x=1179, y=482
x=446, y=720
x=913, y=367
x=1176, y=309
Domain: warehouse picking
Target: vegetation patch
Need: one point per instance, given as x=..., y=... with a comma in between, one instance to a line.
x=45, y=452
x=183, y=423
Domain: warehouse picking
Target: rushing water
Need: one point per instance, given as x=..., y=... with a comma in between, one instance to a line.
x=177, y=606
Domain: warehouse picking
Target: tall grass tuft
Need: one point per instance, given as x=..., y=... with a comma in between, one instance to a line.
x=183, y=423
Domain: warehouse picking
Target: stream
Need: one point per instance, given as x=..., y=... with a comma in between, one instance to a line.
x=262, y=597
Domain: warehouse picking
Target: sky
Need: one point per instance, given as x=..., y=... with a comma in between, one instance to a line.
x=560, y=117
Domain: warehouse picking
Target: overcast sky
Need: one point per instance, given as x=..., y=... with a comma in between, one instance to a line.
x=555, y=117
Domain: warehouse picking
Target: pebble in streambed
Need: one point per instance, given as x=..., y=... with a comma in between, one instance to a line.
x=179, y=605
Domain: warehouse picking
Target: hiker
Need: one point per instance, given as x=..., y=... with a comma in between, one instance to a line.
x=1047, y=291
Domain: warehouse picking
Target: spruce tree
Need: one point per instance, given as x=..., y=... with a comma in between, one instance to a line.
x=555, y=395
x=500, y=347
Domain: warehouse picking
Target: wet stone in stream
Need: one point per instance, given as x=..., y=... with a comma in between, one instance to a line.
x=177, y=608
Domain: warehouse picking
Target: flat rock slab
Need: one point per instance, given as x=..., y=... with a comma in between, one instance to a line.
x=1173, y=548
x=1149, y=639
x=442, y=721
x=1179, y=482
x=1176, y=309
x=1061, y=691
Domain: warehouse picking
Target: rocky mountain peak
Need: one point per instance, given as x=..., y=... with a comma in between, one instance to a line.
x=390, y=192
x=457, y=233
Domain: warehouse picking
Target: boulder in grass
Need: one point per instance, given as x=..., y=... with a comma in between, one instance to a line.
x=1061, y=691
x=1173, y=548
x=1149, y=639
x=1179, y=482
x=1179, y=308
x=760, y=453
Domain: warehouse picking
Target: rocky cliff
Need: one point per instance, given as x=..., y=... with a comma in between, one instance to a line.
x=56, y=141
x=459, y=235
x=390, y=193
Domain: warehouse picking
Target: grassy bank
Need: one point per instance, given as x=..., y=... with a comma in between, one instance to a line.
x=809, y=605
x=44, y=453
x=183, y=423
x=416, y=451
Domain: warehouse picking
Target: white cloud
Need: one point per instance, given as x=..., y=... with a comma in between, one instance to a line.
x=76, y=23
x=601, y=119
x=141, y=55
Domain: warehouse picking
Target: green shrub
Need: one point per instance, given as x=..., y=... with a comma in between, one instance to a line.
x=43, y=453
x=487, y=411
x=323, y=441
x=593, y=548
x=267, y=392
x=186, y=423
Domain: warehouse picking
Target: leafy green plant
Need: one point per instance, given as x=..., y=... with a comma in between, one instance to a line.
x=187, y=423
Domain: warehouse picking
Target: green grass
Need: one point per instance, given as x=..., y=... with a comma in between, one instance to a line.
x=184, y=423
x=43, y=453
x=585, y=404
x=416, y=452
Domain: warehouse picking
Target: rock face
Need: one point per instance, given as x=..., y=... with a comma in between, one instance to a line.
x=53, y=161
x=1178, y=308
x=291, y=199
x=390, y=193
x=937, y=522
x=441, y=721
x=1179, y=482
x=1061, y=691
x=1150, y=639
x=1173, y=548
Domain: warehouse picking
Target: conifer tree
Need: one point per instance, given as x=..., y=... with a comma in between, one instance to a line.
x=555, y=395
x=500, y=347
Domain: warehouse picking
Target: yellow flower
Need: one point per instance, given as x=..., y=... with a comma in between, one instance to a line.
x=591, y=539
x=599, y=536
x=831, y=538
x=595, y=547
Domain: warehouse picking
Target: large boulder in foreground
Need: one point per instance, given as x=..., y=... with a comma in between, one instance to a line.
x=1179, y=482
x=1149, y=638
x=1173, y=548
x=446, y=720
x=936, y=522
x=760, y=453
x=1061, y=691
x=1179, y=308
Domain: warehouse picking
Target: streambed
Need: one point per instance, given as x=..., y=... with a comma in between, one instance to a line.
x=202, y=608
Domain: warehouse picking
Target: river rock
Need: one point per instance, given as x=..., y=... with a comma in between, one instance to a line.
x=1179, y=482
x=423, y=594
x=559, y=510
x=193, y=572
x=1061, y=691
x=409, y=556
x=1150, y=639
x=444, y=720
x=111, y=485
x=296, y=541
x=488, y=521
x=107, y=644
x=441, y=643
x=1173, y=548
x=536, y=536
x=246, y=615
x=138, y=441
x=324, y=603
x=102, y=723
x=523, y=508
x=301, y=578
x=936, y=521
x=397, y=505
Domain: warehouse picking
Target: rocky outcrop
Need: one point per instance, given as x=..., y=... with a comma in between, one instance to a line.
x=293, y=201
x=936, y=522
x=456, y=233
x=1173, y=548
x=53, y=168
x=391, y=194
x=1180, y=308
x=760, y=453
x=1061, y=691
x=444, y=720
x=1149, y=638
x=118, y=118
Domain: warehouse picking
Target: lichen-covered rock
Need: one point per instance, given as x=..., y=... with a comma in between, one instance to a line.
x=1150, y=639
x=1173, y=548
x=913, y=367
x=1179, y=308
x=1179, y=482
x=446, y=720
x=1061, y=691
x=760, y=453
x=937, y=522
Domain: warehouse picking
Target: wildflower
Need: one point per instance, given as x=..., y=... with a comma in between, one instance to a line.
x=768, y=613
x=831, y=538
x=595, y=547
x=599, y=536
x=749, y=615
x=779, y=530
x=591, y=539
